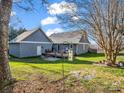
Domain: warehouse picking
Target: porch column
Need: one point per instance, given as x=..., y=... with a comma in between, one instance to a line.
x=76, y=49
x=57, y=48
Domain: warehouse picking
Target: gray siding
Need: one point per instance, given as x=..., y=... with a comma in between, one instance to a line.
x=30, y=49
x=60, y=47
x=81, y=48
x=77, y=48
x=14, y=49
x=37, y=36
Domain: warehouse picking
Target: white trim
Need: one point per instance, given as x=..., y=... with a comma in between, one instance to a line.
x=43, y=42
x=34, y=42
x=83, y=43
x=71, y=43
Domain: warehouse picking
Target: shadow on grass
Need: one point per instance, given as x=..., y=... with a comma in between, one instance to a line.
x=88, y=55
x=38, y=60
x=41, y=61
x=121, y=54
x=44, y=69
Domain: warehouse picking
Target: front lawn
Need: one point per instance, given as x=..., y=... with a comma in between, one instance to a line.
x=104, y=76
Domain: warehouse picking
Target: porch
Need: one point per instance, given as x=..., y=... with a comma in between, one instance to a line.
x=56, y=54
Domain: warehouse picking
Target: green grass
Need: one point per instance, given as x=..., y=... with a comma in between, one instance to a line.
x=23, y=68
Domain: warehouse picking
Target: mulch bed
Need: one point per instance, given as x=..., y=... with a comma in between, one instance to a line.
x=41, y=84
x=119, y=64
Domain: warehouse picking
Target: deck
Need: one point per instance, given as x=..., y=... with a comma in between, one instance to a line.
x=56, y=54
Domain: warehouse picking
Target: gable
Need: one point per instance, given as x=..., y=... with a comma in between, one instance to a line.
x=38, y=36
x=84, y=39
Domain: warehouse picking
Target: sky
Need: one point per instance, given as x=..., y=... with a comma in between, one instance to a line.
x=41, y=16
x=44, y=17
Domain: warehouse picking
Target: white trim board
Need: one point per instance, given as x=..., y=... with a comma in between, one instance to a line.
x=83, y=43
x=34, y=42
x=43, y=42
x=71, y=43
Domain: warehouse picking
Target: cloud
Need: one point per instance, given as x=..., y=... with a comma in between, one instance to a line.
x=52, y=31
x=49, y=20
x=13, y=13
x=61, y=8
x=75, y=18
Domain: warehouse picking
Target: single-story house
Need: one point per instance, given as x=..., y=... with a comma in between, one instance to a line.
x=30, y=43
x=77, y=40
x=35, y=42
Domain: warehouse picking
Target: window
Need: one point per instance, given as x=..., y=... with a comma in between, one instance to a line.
x=71, y=46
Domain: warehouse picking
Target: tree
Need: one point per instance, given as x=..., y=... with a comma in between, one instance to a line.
x=104, y=22
x=5, y=12
x=13, y=33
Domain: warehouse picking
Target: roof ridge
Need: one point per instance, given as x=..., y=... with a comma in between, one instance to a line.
x=73, y=36
x=66, y=32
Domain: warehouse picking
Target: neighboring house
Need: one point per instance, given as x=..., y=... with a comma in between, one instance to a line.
x=99, y=50
x=77, y=40
x=30, y=43
x=93, y=48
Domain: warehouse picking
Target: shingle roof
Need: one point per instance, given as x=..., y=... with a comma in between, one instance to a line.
x=22, y=36
x=68, y=37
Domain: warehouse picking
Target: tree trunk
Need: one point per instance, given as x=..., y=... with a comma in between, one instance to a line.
x=114, y=59
x=110, y=57
x=5, y=11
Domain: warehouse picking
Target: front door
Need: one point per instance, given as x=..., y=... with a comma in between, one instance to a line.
x=39, y=51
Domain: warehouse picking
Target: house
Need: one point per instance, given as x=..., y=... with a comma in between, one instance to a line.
x=99, y=50
x=35, y=42
x=93, y=48
x=77, y=40
x=30, y=43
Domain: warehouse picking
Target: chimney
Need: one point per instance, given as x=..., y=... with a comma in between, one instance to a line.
x=84, y=33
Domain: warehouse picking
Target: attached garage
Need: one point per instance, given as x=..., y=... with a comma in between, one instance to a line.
x=30, y=43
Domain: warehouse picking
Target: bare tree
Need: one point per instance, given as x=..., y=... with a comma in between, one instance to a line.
x=104, y=22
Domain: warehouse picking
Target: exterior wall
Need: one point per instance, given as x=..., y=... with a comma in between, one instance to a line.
x=30, y=49
x=62, y=47
x=81, y=48
x=55, y=48
x=99, y=50
x=59, y=47
x=77, y=48
x=14, y=49
x=37, y=36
